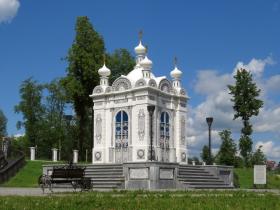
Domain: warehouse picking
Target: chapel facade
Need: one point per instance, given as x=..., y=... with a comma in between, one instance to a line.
x=122, y=125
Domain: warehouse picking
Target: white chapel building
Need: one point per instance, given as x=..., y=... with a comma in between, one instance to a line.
x=122, y=124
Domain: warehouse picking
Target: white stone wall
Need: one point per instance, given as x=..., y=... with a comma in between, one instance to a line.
x=132, y=102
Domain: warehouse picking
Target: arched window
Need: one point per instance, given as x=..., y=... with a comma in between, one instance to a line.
x=121, y=132
x=164, y=130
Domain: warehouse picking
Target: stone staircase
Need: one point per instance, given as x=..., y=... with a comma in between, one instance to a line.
x=197, y=177
x=105, y=176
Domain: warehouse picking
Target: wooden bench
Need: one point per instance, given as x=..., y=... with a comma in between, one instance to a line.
x=67, y=174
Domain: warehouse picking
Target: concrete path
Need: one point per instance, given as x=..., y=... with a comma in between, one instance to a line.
x=30, y=191
x=38, y=192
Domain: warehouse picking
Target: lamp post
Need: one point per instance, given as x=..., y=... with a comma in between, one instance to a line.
x=151, y=109
x=209, y=121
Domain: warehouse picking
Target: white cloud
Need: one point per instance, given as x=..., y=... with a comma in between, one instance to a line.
x=217, y=104
x=8, y=10
x=269, y=149
x=268, y=120
x=256, y=66
x=19, y=135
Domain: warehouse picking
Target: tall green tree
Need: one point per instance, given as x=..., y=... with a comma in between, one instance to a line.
x=3, y=124
x=205, y=154
x=120, y=62
x=84, y=59
x=54, y=129
x=227, y=152
x=258, y=158
x=31, y=107
x=246, y=104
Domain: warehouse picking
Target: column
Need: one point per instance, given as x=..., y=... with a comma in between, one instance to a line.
x=54, y=155
x=32, y=153
x=75, y=156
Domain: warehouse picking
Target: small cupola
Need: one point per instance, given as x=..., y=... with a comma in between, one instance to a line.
x=104, y=73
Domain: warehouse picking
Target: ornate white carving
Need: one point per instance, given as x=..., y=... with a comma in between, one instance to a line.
x=140, y=154
x=152, y=83
x=165, y=85
x=97, y=156
x=140, y=82
x=141, y=124
x=98, y=126
x=183, y=130
x=98, y=89
x=183, y=156
x=121, y=84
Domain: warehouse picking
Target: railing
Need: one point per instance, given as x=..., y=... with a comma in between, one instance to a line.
x=12, y=167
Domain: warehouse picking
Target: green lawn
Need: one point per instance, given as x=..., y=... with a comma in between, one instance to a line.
x=28, y=175
x=215, y=200
x=246, y=178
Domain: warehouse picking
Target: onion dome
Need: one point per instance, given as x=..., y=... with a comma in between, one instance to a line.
x=140, y=49
x=176, y=73
x=146, y=63
x=104, y=71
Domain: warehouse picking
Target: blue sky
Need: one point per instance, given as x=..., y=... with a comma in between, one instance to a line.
x=210, y=38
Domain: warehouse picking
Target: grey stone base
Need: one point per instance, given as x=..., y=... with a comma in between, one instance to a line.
x=150, y=175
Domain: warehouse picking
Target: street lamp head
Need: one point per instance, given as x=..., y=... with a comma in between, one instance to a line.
x=209, y=121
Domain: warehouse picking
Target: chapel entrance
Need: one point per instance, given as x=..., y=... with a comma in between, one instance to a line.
x=121, y=137
x=164, y=136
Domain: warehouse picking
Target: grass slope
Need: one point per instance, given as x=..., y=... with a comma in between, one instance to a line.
x=215, y=200
x=28, y=175
x=246, y=178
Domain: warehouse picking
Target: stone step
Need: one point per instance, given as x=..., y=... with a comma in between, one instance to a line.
x=194, y=173
x=201, y=183
x=191, y=170
x=200, y=180
x=104, y=172
x=105, y=176
x=107, y=179
x=98, y=182
x=103, y=169
x=98, y=186
x=208, y=176
x=207, y=181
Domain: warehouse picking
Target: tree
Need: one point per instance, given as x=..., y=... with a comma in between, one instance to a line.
x=54, y=129
x=246, y=104
x=205, y=154
x=227, y=152
x=32, y=109
x=120, y=62
x=84, y=59
x=3, y=124
x=258, y=158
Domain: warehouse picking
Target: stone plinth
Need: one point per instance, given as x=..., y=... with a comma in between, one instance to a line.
x=32, y=153
x=75, y=156
x=54, y=155
x=150, y=175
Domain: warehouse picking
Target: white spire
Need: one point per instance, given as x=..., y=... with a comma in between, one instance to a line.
x=146, y=64
x=140, y=50
x=104, y=73
x=176, y=75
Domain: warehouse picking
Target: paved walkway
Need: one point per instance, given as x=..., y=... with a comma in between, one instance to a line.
x=29, y=191
x=38, y=192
